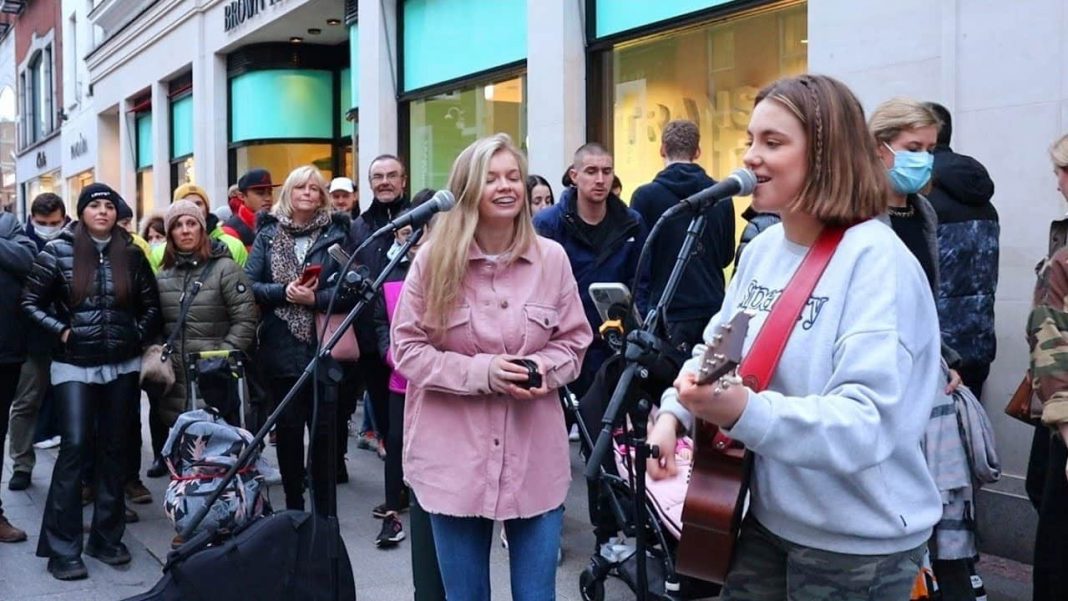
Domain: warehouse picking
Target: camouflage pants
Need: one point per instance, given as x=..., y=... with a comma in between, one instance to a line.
x=768, y=568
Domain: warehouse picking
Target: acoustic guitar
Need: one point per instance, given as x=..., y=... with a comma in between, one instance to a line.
x=719, y=480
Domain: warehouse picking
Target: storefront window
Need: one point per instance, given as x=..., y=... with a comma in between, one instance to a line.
x=443, y=125
x=349, y=168
x=75, y=185
x=280, y=159
x=709, y=74
x=145, y=201
x=48, y=182
x=182, y=172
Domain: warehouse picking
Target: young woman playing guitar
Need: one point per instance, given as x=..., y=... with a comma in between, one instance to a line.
x=841, y=503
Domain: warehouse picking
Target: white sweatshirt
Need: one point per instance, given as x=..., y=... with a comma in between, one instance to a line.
x=837, y=434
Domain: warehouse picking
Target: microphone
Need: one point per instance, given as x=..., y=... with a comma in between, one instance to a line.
x=442, y=201
x=740, y=182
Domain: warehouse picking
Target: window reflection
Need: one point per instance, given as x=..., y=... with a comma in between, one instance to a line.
x=443, y=125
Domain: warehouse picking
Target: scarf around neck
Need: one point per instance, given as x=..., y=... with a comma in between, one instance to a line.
x=285, y=268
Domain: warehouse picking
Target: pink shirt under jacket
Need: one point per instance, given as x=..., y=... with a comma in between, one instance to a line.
x=468, y=451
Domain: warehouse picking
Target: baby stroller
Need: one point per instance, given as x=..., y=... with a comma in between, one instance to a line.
x=660, y=526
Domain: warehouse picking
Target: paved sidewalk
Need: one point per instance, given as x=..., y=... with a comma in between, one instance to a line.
x=381, y=575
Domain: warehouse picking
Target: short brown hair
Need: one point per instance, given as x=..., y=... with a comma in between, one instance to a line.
x=846, y=181
x=588, y=149
x=681, y=140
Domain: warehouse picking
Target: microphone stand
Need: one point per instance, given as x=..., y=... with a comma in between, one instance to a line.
x=647, y=356
x=366, y=292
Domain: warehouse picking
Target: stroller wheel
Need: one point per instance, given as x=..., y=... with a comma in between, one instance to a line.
x=590, y=587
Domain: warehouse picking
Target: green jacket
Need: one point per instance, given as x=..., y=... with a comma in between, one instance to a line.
x=223, y=316
x=237, y=250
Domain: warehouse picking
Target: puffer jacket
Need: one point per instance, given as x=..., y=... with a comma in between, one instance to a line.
x=281, y=354
x=39, y=342
x=101, y=331
x=968, y=247
x=223, y=315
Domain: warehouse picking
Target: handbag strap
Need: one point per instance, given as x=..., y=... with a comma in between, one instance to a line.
x=759, y=364
x=185, y=303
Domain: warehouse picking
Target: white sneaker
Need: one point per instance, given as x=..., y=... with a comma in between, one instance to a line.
x=48, y=443
x=573, y=435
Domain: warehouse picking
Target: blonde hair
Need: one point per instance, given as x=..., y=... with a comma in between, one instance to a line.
x=900, y=114
x=846, y=181
x=298, y=176
x=1059, y=152
x=454, y=231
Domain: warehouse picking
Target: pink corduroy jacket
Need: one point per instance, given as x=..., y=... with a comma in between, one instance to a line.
x=469, y=451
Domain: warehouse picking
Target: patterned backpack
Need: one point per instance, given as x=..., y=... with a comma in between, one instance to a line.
x=200, y=449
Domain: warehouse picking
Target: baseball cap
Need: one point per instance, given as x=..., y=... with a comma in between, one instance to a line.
x=255, y=178
x=341, y=183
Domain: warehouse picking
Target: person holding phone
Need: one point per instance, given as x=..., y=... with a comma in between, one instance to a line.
x=291, y=270
x=482, y=442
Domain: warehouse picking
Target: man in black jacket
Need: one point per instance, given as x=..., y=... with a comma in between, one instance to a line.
x=388, y=179
x=700, y=298
x=968, y=232
x=16, y=258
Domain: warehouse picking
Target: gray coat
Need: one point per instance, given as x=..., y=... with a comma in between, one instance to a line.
x=223, y=316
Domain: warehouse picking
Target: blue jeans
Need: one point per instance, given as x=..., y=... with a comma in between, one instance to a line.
x=463, y=547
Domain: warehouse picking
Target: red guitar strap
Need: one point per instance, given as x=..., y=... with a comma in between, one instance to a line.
x=760, y=362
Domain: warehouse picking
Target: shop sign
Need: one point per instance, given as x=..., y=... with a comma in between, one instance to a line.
x=79, y=147
x=238, y=11
x=42, y=160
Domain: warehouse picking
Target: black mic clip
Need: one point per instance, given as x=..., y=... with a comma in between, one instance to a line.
x=658, y=360
x=359, y=283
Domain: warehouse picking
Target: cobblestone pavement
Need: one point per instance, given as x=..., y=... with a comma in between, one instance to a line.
x=381, y=575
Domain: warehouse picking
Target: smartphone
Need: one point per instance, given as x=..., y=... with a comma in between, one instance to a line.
x=605, y=295
x=310, y=274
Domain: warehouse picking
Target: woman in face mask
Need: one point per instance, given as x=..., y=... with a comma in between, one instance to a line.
x=905, y=135
x=906, y=132
x=152, y=230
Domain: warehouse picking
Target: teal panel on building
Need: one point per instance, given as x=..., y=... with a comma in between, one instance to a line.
x=614, y=16
x=447, y=39
x=282, y=103
x=354, y=66
x=144, y=140
x=346, y=98
x=182, y=127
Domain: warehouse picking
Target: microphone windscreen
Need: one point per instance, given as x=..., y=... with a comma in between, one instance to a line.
x=445, y=200
x=746, y=179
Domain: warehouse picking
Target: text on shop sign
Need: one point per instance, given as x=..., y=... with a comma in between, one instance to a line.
x=239, y=11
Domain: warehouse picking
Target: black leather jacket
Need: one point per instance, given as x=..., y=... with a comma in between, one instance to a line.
x=281, y=354
x=101, y=331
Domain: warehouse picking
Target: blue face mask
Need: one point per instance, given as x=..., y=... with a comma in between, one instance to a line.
x=911, y=170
